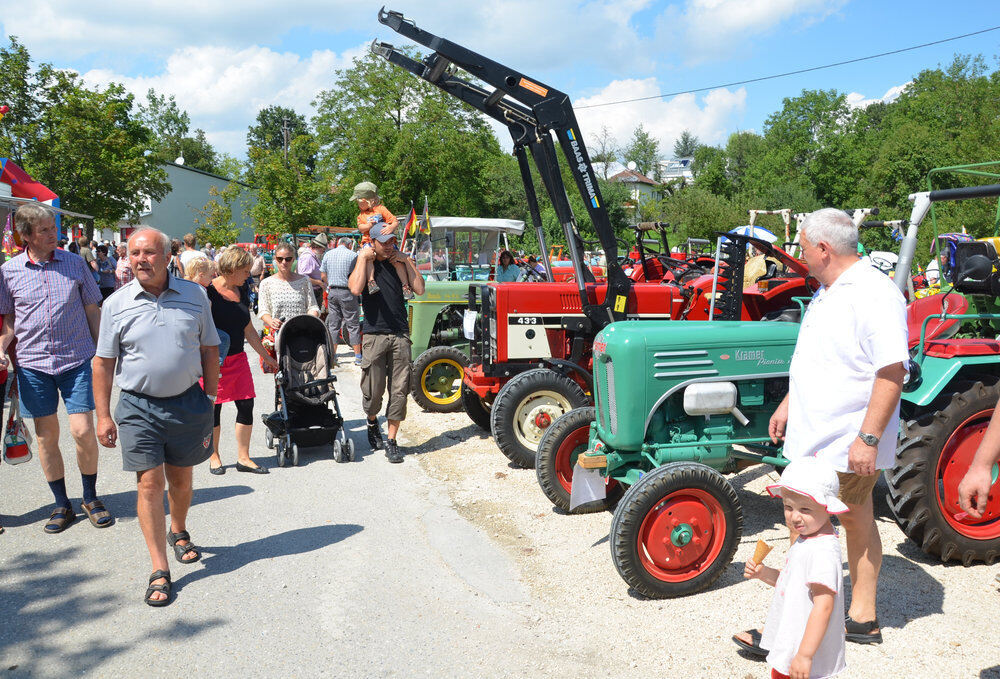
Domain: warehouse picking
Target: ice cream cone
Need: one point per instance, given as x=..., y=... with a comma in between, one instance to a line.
x=761, y=552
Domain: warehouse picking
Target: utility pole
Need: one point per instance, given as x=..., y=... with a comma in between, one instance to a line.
x=285, y=135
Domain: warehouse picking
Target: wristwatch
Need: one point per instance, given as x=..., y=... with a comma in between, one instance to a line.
x=212, y=397
x=869, y=439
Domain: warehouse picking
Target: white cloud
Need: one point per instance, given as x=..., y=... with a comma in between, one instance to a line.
x=711, y=29
x=858, y=100
x=223, y=88
x=710, y=119
x=524, y=33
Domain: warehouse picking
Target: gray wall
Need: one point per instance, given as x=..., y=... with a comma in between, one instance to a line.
x=175, y=214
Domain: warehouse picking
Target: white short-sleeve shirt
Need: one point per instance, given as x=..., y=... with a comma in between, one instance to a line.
x=811, y=560
x=850, y=331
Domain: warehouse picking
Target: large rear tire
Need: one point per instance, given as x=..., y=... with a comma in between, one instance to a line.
x=561, y=444
x=676, y=530
x=526, y=407
x=476, y=408
x=936, y=450
x=436, y=383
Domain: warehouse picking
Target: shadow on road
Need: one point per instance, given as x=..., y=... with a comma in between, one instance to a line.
x=42, y=605
x=122, y=505
x=446, y=439
x=222, y=560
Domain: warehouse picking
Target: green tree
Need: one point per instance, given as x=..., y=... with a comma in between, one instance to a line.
x=91, y=150
x=379, y=123
x=286, y=194
x=686, y=145
x=170, y=125
x=644, y=150
x=21, y=88
x=215, y=223
x=273, y=124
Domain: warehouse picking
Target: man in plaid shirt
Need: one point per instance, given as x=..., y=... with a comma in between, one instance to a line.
x=123, y=272
x=49, y=301
x=342, y=305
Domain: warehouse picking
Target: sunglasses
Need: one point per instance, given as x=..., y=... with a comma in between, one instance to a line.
x=283, y=259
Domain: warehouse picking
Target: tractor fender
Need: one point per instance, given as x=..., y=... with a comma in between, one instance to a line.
x=936, y=374
x=565, y=367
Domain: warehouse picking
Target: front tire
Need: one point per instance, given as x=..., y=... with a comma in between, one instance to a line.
x=436, y=383
x=936, y=451
x=558, y=450
x=526, y=407
x=676, y=530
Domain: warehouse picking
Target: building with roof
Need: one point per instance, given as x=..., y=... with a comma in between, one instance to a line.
x=677, y=168
x=176, y=212
x=641, y=188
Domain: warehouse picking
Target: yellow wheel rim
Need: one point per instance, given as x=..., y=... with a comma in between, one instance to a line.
x=441, y=381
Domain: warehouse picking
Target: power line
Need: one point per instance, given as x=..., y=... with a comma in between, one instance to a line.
x=788, y=73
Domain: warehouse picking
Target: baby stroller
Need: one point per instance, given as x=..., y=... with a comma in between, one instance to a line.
x=303, y=392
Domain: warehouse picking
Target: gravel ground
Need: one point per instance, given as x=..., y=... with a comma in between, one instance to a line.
x=937, y=620
x=452, y=564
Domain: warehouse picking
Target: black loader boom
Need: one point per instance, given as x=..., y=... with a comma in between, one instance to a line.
x=533, y=112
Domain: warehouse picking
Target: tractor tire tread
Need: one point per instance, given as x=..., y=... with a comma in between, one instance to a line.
x=419, y=365
x=502, y=413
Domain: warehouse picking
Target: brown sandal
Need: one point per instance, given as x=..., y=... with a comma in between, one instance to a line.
x=98, y=515
x=60, y=520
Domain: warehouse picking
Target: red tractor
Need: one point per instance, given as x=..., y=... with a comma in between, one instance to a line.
x=532, y=345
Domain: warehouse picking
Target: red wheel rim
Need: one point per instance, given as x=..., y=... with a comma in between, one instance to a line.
x=954, y=461
x=658, y=552
x=567, y=453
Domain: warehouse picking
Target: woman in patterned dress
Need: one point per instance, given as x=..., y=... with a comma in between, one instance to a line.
x=286, y=293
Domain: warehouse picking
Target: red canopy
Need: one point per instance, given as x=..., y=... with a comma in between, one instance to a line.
x=22, y=185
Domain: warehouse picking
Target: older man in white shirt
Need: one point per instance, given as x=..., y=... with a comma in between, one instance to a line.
x=845, y=382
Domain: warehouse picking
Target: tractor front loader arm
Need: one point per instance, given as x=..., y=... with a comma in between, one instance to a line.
x=515, y=94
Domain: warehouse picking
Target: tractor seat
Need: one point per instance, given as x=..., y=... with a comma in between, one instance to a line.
x=923, y=307
x=953, y=348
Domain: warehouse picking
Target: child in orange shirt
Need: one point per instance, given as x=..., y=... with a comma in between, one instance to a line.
x=372, y=214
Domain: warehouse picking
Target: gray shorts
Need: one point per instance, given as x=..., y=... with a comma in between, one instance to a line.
x=176, y=430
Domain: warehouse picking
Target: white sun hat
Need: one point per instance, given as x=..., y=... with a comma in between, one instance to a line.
x=815, y=478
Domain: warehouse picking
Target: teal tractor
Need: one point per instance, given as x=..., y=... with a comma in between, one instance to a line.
x=677, y=406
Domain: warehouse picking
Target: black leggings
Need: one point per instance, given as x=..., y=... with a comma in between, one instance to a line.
x=244, y=412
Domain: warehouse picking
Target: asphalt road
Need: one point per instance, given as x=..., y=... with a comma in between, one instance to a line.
x=350, y=570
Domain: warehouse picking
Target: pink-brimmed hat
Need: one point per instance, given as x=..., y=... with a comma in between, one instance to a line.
x=815, y=478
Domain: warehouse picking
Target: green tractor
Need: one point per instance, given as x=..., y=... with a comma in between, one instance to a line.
x=679, y=405
x=458, y=251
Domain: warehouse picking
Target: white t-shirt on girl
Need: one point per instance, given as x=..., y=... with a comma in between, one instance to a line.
x=810, y=560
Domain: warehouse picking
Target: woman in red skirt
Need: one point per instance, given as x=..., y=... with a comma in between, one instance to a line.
x=231, y=312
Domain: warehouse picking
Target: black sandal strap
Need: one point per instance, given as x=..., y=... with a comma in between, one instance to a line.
x=852, y=626
x=173, y=538
x=159, y=574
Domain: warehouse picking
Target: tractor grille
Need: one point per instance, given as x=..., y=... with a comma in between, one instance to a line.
x=609, y=377
x=604, y=371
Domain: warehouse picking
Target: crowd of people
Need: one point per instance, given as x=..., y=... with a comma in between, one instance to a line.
x=173, y=330
x=169, y=324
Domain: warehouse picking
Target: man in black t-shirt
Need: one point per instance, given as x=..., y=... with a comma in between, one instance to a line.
x=385, y=350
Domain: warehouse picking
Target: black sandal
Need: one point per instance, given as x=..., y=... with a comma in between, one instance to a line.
x=181, y=550
x=60, y=520
x=753, y=648
x=163, y=589
x=862, y=632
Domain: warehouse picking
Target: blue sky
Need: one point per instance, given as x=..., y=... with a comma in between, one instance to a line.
x=225, y=64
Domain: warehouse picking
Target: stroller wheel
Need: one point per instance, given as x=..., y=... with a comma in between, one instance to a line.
x=350, y=450
x=295, y=455
x=338, y=452
x=269, y=439
x=280, y=454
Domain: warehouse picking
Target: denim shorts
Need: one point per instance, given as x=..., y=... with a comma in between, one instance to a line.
x=40, y=391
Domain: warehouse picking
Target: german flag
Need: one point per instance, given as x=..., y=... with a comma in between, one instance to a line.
x=427, y=219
